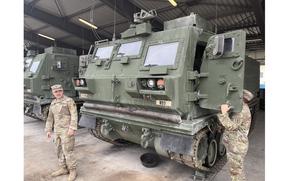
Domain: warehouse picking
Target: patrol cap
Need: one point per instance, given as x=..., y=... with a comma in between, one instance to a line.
x=56, y=87
x=247, y=95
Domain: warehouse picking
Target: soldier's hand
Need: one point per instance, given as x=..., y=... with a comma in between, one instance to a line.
x=225, y=108
x=71, y=132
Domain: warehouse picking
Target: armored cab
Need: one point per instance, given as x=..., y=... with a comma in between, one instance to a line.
x=163, y=89
x=55, y=66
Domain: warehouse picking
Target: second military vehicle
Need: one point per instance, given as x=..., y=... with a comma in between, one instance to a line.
x=55, y=66
x=163, y=89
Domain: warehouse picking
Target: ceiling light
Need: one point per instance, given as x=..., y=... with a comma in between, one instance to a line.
x=47, y=37
x=173, y=2
x=88, y=23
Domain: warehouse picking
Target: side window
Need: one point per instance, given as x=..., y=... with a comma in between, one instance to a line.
x=129, y=49
x=35, y=63
x=104, y=52
x=229, y=45
x=34, y=66
x=161, y=54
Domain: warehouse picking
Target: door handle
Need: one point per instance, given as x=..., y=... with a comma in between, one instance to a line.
x=231, y=88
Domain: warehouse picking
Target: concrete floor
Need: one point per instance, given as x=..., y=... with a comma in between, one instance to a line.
x=101, y=161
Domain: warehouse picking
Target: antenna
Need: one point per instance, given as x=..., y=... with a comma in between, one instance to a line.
x=114, y=35
x=215, y=16
x=95, y=33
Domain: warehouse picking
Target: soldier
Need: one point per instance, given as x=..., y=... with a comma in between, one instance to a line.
x=63, y=117
x=235, y=137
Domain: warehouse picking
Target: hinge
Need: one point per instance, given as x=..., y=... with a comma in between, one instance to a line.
x=193, y=75
x=195, y=96
x=190, y=97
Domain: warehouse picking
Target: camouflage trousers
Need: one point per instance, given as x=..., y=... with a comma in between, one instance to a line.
x=64, y=149
x=236, y=152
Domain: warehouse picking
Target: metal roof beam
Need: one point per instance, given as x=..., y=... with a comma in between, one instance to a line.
x=253, y=37
x=31, y=36
x=84, y=11
x=41, y=28
x=61, y=23
x=192, y=3
x=59, y=8
x=225, y=5
x=259, y=10
x=235, y=27
x=226, y=14
x=127, y=9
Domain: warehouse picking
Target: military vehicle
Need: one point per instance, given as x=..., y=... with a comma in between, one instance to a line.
x=163, y=89
x=55, y=66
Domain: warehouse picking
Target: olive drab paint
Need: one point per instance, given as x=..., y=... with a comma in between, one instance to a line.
x=55, y=66
x=163, y=89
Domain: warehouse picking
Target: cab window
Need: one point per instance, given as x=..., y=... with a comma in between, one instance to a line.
x=161, y=54
x=104, y=52
x=34, y=66
x=129, y=49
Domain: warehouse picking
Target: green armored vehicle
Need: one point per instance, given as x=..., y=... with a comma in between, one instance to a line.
x=55, y=66
x=163, y=89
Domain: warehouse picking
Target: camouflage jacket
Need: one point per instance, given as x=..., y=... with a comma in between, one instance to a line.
x=237, y=127
x=62, y=115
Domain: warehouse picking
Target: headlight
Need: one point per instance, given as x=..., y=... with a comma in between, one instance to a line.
x=82, y=82
x=144, y=83
x=160, y=84
x=151, y=83
x=77, y=82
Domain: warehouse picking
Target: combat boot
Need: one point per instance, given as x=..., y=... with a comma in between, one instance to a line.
x=72, y=175
x=61, y=171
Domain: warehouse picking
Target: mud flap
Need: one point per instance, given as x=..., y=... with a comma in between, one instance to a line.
x=88, y=121
x=177, y=144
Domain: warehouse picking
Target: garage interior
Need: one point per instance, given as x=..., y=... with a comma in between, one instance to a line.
x=64, y=23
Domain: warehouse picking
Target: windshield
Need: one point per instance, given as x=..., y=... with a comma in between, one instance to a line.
x=34, y=66
x=129, y=49
x=104, y=52
x=162, y=54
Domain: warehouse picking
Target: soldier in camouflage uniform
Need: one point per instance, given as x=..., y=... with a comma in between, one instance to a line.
x=235, y=136
x=63, y=117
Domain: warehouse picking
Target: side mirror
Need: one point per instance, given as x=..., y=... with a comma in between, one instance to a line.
x=219, y=42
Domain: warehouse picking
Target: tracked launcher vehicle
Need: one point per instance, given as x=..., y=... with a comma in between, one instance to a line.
x=163, y=89
x=55, y=66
